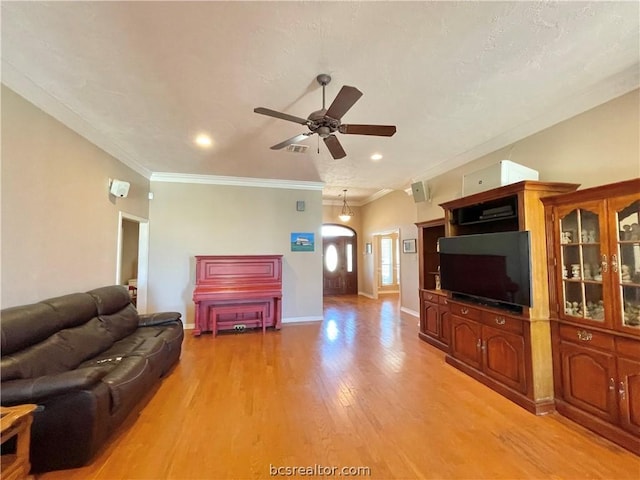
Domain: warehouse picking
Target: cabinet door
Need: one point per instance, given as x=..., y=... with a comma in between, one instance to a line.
x=503, y=357
x=629, y=394
x=624, y=262
x=588, y=380
x=430, y=319
x=466, y=342
x=445, y=325
x=582, y=263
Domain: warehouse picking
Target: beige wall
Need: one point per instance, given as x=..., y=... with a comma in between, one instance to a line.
x=395, y=211
x=599, y=146
x=596, y=147
x=59, y=224
x=199, y=219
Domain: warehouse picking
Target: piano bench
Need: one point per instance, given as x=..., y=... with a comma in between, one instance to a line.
x=260, y=309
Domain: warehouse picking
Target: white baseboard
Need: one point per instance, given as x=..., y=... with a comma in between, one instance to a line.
x=301, y=319
x=408, y=311
x=368, y=295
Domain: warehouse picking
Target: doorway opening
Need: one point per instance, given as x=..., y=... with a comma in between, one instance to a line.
x=133, y=257
x=387, y=263
x=339, y=260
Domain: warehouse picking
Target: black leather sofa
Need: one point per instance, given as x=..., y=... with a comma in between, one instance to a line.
x=87, y=360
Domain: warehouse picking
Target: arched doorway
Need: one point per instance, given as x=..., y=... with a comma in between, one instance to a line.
x=339, y=260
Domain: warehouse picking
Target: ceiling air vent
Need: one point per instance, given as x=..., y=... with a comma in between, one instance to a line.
x=295, y=148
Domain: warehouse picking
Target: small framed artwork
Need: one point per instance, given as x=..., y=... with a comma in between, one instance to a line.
x=409, y=245
x=302, y=242
x=367, y=248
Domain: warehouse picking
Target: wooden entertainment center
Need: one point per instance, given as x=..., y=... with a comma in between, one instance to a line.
x=509, y=352
x=577, y=348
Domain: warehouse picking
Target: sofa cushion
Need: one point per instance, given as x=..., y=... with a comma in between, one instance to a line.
x=121, y=323
x=128, y=381
x=44, y=319
x=73, y=309
x=110, y=299
x=62, y=351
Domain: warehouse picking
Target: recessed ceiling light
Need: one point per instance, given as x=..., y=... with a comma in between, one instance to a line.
x=376, y=156
x=204, y=140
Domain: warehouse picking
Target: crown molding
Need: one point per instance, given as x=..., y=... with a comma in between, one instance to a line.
x=235, y=181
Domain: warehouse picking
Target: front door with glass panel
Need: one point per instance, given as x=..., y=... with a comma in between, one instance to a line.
x=340, y=275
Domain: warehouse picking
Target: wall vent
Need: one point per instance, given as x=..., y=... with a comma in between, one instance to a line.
x=295, y=148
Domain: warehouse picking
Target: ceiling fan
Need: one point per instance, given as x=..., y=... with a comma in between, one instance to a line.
x=326, y=122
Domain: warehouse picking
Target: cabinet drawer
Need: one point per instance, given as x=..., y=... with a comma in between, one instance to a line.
x=586, y=337
x=465, y=311
x=628, y=348
x=430, y=297
x=502, y=322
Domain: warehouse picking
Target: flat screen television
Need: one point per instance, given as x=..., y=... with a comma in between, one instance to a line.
x=491, y=268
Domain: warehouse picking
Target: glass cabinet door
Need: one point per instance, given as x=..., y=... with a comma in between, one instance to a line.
x=625, y=261
x=582, y=263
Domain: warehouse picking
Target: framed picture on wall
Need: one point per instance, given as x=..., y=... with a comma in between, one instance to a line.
x=409, y=245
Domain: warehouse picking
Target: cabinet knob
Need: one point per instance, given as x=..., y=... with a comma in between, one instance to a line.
x=500, y=321
x=479, y=344
x=612, y=384
x=604, y=264
x=429, y=297
x=464, y=310
x=621, y=391
x=614, y=263
x=584, y=335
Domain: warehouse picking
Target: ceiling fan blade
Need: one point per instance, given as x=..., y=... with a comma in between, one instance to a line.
x=343, y=102
x=333, y=144
x=291, y=141
x=379, y=130
x=280, y=115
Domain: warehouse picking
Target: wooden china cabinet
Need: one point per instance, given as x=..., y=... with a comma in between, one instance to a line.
x=593, y=241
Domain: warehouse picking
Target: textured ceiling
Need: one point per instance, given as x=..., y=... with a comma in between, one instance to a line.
x=459, y=79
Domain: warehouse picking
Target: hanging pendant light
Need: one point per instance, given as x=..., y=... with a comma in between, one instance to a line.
x=346, y=213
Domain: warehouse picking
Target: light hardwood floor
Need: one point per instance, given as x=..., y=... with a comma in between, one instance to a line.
x=356, y=390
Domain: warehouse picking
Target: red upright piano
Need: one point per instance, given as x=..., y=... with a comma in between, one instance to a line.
x=235, y=291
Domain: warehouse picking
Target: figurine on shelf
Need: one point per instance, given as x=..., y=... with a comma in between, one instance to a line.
x=592, y=236
x=635, y=231
x=587, y=272
x=565, y=274
x=597, y=272
x=575, y=271
x=625, y=273
x=625, y=234
x=584, y=236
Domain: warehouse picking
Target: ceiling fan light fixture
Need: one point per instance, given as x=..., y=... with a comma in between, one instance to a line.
x=346, y=213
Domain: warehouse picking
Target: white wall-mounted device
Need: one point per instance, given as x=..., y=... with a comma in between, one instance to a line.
x=119, y=188
x=505, y=172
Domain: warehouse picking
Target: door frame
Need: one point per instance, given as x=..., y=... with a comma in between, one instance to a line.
x=376, y=260
x=355, y=252
x=143, y=256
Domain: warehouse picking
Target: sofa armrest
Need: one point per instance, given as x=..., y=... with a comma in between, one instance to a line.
x=160, y=318
x=34, y=390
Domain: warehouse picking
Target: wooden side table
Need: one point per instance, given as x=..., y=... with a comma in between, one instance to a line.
x=16, y=422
